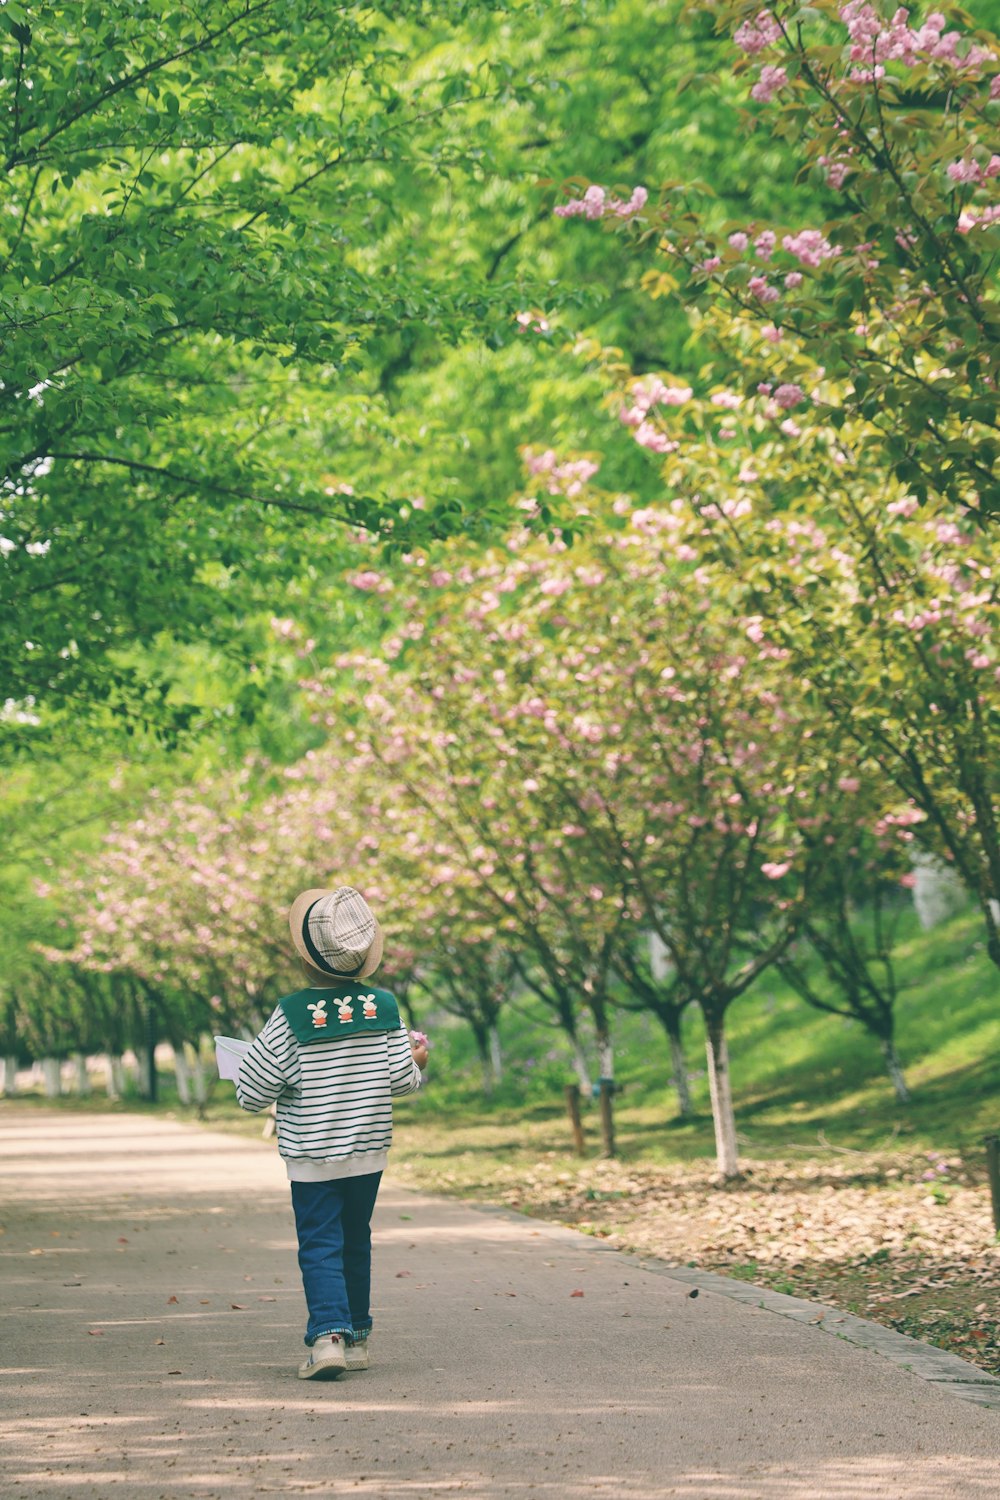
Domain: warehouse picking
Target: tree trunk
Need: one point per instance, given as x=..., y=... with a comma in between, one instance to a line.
x=605, y=1056
x=895, y=1070
x=82, y=1079
x=183, y=1075
x=483, y=1050
x=116, y=1076
x=9, y=1077
x=52, y=1077
x=496, y=1056
x=199, y=1080
x=678, y=1066
x=580, y=1066
x=142, y=1063
x=726, y=1150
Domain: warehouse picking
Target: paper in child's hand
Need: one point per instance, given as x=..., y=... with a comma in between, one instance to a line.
x=229, y=1053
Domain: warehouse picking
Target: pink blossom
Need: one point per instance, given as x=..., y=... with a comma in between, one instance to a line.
x=711, y=264
x=759, y=287
x=995, y=87
x=794, y=279
x=965, y=170
x=836, y=171
x=729, y=399
x=739, y=240
x=775, y=871
x=969, y=219
x=905, y=506
x=753, y=36
x=626, y=209
x=590, y=206
x=849, y=784
x=791, y=428
x=771, y=333
x=371, y=582
x=764, y=244
x=810, y=247
x=789, y=395
x=648, y=436
x=554, y=587
x=770, y=81
x=992, y=168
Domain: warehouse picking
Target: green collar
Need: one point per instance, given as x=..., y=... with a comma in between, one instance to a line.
x=348, y=1009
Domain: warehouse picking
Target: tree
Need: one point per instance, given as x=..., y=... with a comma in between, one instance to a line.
x=851, y=928
x=184, y=280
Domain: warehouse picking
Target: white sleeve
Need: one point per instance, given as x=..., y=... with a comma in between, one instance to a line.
x=404, y=1075
x=270, y=1066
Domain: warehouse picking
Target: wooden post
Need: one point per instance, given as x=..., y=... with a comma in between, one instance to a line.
x=993, y=1173
x=573, y=1108
x=607, y=1088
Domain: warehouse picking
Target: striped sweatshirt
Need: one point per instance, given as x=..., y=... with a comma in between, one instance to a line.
x=334, y=1097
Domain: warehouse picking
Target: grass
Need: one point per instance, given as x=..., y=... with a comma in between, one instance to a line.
x=834, y=1206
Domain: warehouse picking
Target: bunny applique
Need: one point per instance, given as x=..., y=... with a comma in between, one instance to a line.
x=345, y=1012
x=319, y=1016
x=369, y=1007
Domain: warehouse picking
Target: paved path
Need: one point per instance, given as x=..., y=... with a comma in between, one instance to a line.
x=152, y=1322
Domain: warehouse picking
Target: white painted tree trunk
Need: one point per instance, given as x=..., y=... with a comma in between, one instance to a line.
x=496, y=1056
x=52, y=1077
x=895, y=1070
x=580, y=1066
x=659, y=958
x=678, y=1068
x=9, y=1077
x=116, y=1076
x=605, y=1057
x=182, y=1073
x=199, y=1078
x=81, y=1078
x=726, y=1150
x=937, y=891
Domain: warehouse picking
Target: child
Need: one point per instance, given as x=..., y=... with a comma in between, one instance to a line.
x=333, y=1056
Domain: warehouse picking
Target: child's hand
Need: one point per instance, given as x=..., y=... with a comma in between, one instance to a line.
x=421, y=1048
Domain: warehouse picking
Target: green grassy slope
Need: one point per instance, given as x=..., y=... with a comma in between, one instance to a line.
x=798, y=1075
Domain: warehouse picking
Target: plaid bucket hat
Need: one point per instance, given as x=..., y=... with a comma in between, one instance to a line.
x=335, y=934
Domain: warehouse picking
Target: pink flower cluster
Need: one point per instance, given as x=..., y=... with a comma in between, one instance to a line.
x=566, y=478
x=595, y=203
x=966, y=170
x=770, y=81
x=971, y=218
x=653, y=392
x=876, y=40
x=754, y=36
x=371, y=582
x=810, y=247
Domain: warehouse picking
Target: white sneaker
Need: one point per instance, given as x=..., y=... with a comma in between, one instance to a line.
x=357, y=1355
x=327, y=1357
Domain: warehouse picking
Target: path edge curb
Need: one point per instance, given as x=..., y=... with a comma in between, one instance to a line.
x=949, y=1372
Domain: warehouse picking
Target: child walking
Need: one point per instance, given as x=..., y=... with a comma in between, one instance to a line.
x=333, y=1056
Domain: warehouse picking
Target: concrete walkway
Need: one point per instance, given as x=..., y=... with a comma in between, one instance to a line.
x=152, y=1322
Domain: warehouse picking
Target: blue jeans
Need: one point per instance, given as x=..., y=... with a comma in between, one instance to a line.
x=333, y=1223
